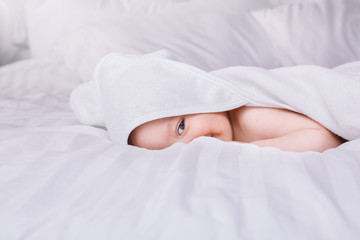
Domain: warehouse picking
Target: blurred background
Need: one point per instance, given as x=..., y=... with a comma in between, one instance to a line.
x=35, y=25
x=209, y=34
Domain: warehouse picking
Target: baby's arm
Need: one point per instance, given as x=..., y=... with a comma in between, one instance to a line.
x=302, y=140
x=286, y=130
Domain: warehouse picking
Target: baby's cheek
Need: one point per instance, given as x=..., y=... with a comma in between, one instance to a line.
x=200, y=131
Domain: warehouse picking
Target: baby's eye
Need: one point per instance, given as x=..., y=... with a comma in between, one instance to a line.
x=181, y=127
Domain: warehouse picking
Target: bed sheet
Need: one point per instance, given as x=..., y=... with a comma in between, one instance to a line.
x=60, y=180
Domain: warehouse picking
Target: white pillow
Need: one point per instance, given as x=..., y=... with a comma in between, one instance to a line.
x=49, y=20
x=13, y=35
x=209, y=35
x=322, y=32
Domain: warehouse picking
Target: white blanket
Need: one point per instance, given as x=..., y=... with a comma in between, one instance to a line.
x=59, y=180
x=329, y=96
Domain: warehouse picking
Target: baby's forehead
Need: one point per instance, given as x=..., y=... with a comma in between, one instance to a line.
x=154, y=125
x=157, y=122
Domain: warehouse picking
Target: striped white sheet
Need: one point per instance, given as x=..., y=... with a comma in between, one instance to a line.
x=59, y=180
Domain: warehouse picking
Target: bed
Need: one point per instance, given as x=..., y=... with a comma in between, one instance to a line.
x=63, y=180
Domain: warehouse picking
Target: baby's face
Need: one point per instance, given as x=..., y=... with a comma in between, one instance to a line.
x=162, y=133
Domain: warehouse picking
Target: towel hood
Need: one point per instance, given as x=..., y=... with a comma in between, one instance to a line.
x=127, y=91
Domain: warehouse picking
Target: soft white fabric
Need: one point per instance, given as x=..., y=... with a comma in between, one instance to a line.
x=321, y=32
x=48, y=20
x=206, y=34
x=128, y=91
x=59, y=180
x=65, y=184
x=35, y=93
x=13, y=33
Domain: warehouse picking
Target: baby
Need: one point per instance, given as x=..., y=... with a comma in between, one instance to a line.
x=262, y=126
x=152, y=103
